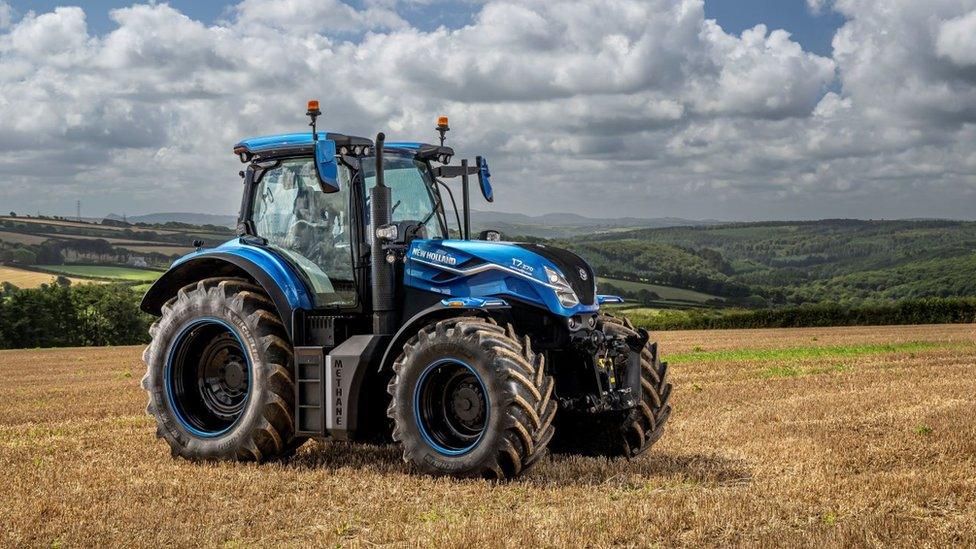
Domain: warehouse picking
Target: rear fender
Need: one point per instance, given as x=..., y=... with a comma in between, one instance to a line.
x=279, y=280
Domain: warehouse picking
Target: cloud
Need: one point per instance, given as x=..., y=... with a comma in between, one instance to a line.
x=326, y=17
x=957, y=39
x=646, y=104
x=817, y=6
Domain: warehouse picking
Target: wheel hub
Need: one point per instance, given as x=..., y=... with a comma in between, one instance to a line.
x=452, y=406
x=468, y=403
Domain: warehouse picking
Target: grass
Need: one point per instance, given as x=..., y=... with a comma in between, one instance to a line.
x=881, y=456
x=99, y=271
x=23, y=278
x=667, y=293
x=165, y=250
x=793, y=353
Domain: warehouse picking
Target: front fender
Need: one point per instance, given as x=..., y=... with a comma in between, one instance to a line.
x=445, y=308
x=278, y=279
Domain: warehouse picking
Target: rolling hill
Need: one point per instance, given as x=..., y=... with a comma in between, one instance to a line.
x=796, y=262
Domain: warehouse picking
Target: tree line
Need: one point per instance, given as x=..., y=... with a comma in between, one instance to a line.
x=62, y=315
x=956, y=310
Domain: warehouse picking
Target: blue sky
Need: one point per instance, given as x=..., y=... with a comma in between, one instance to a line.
x=813, y=31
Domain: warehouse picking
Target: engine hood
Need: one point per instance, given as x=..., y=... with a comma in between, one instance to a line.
x=499, y=269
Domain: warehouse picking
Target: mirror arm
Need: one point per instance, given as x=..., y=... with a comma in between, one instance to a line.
x=450, y=193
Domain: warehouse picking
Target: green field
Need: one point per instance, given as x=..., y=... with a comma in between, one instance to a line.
x=667, y=293
x=117, y=273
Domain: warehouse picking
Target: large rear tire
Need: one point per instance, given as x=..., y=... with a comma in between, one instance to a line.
x=471, y=399
x=615, y=434
x=219, y=374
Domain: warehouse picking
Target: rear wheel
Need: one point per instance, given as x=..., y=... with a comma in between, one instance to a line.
x=626, y=433
x=219, y=374
x=471, y=399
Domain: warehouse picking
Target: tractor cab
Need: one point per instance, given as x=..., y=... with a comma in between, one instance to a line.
x=352, y=307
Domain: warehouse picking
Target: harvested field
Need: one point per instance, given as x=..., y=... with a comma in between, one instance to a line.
x=803, y=437
x=23, y=278
x=21, y=238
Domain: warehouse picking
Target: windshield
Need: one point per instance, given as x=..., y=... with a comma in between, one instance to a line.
x=414, y=197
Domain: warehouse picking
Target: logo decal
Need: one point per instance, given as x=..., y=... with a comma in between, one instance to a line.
x=435, y=256
x=583, y=275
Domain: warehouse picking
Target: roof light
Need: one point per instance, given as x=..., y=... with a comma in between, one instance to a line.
x=313, y=107
x=442, y=127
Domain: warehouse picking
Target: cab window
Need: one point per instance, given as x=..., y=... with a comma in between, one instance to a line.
x=309, y=227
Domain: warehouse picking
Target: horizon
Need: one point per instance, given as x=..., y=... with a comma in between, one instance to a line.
x=111, y=215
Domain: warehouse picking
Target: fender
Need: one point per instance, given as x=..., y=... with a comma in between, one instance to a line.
x=234, y=258
x=445, y=308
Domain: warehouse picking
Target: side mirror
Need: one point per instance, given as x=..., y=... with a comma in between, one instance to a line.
x=325, y=165
x=484, y=179
x=490, y=235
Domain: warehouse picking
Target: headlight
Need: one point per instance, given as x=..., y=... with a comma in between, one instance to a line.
x=564, y=292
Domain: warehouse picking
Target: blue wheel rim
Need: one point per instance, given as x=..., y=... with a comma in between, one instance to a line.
x=202, y=409
x=451, y=406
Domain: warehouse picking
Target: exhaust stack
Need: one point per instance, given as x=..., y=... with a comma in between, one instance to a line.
x=382, y=271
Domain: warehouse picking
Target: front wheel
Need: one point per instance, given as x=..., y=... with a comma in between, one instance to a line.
x=471, y=399
x=219, y=374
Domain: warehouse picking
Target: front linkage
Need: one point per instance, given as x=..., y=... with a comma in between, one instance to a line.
x=616, y=365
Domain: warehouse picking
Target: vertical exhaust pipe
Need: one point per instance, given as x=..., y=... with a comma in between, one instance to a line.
x=382, y=272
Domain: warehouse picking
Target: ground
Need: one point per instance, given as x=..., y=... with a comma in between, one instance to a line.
x=23, y=278
x=802, y=437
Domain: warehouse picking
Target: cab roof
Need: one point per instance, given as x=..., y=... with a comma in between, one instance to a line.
x=291, y=143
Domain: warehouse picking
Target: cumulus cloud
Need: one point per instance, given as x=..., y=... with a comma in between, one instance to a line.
x=957, y=39
x=645, y=104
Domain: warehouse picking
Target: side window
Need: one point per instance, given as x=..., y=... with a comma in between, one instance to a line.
x=309, y=227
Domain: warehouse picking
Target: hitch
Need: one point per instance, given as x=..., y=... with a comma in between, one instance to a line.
x=616, y=363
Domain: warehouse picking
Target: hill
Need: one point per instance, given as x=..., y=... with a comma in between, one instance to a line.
x=796, y=262
x=563, y=225
x=180, y=217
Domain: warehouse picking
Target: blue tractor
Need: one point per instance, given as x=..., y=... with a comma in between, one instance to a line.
x=350, y=307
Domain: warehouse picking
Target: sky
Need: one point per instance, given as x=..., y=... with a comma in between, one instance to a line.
x=715, y=109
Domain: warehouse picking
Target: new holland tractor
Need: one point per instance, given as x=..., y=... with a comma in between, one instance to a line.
x=350, y=307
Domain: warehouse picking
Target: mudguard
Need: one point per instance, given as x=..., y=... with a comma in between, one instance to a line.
x=445, y=308
x=234, y=258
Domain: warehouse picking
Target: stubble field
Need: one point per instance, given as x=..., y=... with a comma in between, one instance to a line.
x=803, y=437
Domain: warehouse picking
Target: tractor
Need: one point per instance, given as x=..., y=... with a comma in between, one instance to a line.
x=351, y=307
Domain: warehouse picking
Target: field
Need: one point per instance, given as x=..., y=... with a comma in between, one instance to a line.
x=84, y=225
x=666, y=293
x=97, y=271
x=21, y=238
x=31, y=279
x=165, y=250
x=805, y=437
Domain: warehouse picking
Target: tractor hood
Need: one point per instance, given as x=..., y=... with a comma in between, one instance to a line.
x=533, y=273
